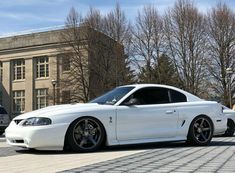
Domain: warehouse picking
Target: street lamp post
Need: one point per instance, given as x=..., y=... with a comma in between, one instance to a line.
x=229, y=72
x=53, y=82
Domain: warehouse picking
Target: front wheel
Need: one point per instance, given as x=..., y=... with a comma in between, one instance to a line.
x=200, y=131
x=85, y=135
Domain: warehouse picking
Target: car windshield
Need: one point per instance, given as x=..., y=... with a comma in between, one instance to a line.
x=113, y=96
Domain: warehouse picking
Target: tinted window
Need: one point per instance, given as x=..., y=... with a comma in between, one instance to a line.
x=2, y=110
x=151, y=96
x=177, y=97
x=112, y=96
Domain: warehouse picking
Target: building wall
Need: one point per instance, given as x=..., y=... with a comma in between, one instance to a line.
x=28, y=48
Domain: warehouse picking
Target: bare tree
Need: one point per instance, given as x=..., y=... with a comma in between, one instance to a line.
x=115, y=25
x=118, y=28
x=94, y=58
x=75, y=39
x=94, y=19
x=185, y=44
x=221, y=50
x=147, y=41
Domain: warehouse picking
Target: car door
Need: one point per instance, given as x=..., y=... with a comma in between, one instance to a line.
x=152, y=116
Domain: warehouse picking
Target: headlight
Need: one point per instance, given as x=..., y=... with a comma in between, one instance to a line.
x=36, y=121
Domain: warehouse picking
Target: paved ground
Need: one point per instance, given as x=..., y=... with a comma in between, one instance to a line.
x=163, y=157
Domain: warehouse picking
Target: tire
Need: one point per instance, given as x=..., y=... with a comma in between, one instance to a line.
x=231, y=128
x=200, y=131
x=85, y=135
x=1, y=132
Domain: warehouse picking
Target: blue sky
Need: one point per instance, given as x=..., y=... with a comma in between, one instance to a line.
x=24, y=15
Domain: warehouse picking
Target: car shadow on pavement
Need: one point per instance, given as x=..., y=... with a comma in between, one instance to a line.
x=150, y=146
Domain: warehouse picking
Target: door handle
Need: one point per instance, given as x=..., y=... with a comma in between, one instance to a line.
x=170, y=112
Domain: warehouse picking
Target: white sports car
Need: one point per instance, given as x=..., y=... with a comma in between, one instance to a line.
x=126, y=115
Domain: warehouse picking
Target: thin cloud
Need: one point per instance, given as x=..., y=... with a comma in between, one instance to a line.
x=9, y=3
x=27, y=16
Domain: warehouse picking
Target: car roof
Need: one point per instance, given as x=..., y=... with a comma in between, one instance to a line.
x=190, y=97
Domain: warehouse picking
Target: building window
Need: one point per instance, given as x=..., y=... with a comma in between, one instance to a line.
x=18, y=101
x=42, y=67
x=66, y=98
x=41, y=98
x=1, y=71
x=19, y=69
x=65, y=63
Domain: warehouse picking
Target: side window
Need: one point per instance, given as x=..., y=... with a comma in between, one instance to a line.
x=177, y=97
x=151, y=95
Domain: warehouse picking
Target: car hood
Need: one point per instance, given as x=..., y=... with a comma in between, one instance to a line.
x=60, y=109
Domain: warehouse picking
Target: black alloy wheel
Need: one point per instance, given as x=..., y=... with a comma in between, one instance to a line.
x=85, y=135
x=201, y=131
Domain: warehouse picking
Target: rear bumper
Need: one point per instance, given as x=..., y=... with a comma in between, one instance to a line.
x=220, y=125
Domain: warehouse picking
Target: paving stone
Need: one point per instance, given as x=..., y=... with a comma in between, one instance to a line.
x=172, y=157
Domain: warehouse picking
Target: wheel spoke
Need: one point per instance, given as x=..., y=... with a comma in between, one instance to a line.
x=84, y=141
x=93, y=131
x=78, y=130
x=206, y=129
x=86, y=124
x=196, y=125
x=77, y=136
x=92, y=140
x=203, y=136
x=201, y=125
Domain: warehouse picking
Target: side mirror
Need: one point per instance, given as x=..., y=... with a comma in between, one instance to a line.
x=132, y=101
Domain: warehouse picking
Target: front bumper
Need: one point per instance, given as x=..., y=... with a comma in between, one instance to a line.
x=49, y=137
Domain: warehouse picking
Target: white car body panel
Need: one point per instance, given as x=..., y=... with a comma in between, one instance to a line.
x=229, y=113
x=123, y=124
x=159, y=117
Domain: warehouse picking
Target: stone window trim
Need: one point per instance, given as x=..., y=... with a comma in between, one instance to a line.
x=18, y=101
x=41, y=98
x=42, y=67
x=65, y=59
x=18, y=69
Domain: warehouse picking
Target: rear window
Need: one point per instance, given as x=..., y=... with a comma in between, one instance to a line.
x=2, y=111
x=177, y=97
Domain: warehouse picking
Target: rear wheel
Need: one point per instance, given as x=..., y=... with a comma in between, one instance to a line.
x=200, y=131
x=85, y=134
